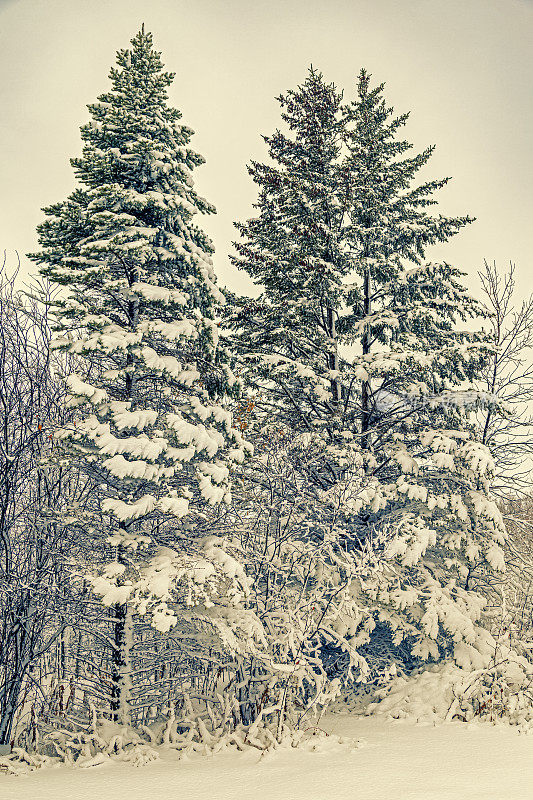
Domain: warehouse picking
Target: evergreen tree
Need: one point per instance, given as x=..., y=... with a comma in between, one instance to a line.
x=404, y=310
x=139, y=314
x=415, y=401
x=288, y=339
x=393, y=451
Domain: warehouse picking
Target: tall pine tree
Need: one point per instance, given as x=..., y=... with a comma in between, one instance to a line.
x=288, y=339
x=404, y=309
x=138, y=312
x=341, y=235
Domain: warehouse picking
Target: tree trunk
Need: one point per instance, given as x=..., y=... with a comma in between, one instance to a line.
x=365, y=388
x=333, y=357
x=121, y=658
x=9, y=703
x=121, y=666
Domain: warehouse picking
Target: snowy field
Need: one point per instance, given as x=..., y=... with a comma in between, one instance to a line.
x=396, y=761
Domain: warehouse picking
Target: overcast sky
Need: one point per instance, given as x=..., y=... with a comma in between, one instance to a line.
x=462, y=67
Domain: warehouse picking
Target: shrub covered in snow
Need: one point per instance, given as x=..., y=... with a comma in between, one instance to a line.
x=500, y=689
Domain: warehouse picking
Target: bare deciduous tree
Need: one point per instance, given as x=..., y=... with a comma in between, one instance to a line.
x=32, y=490
x=509, y=377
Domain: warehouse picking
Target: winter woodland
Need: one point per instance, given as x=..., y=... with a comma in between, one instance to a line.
x=222, y=515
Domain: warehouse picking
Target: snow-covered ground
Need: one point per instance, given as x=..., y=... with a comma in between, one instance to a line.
x=396, y=761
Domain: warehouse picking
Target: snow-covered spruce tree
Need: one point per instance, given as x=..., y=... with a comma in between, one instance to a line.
x=397, y=403
x=415, y=403
x=287, y=341
x=290, y=510
x=403, y=309
x=287, y=337
x=139, y=313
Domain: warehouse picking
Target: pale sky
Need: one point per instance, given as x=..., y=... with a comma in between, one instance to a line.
x=462, y=67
